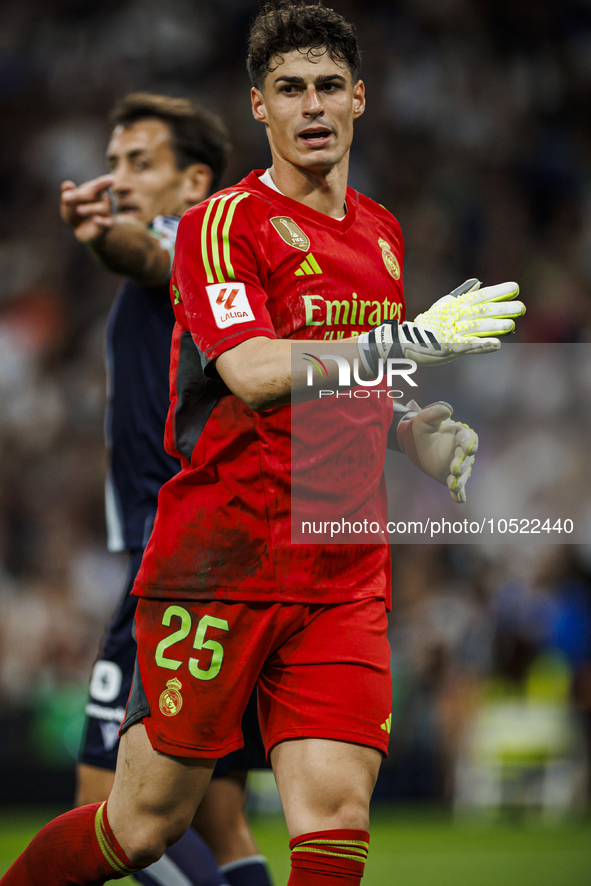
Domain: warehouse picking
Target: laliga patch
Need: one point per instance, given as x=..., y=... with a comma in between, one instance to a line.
x=291, y=233
x=229, y=304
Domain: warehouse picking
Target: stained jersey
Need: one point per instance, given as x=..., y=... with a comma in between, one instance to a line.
x=252, y=262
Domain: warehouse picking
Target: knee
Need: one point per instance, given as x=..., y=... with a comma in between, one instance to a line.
x=148, y=838
x=351, y=813
x=337, y=809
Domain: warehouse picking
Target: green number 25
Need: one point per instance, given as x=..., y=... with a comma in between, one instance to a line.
x=216, y=648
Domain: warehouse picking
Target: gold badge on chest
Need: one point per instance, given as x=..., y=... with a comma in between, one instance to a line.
x=290, y=232
x=390, y=259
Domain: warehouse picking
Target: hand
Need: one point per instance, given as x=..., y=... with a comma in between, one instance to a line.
x=462, y=323
x=441, y=448
x=459, y=323
x=87, y=208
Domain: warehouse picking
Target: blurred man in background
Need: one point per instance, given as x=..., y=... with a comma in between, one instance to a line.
x=165, y=155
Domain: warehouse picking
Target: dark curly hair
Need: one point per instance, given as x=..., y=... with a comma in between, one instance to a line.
x=286, y=25
x=197, y=135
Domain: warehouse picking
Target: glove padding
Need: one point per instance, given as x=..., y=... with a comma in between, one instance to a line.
x=466, y=321
x=441, y=448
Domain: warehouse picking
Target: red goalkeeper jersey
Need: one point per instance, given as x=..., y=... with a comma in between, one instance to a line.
x=252, y=262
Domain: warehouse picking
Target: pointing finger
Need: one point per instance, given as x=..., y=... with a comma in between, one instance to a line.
x=89, y=190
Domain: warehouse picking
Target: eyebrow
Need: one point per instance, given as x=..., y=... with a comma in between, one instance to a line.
x=132, y=155
x=322, y=78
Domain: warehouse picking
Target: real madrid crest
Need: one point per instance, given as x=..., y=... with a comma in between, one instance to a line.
x=290, y=232
x=171, y=700
x=390, y=259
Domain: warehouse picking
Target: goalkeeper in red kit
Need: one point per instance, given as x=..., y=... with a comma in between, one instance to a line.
x=226, y=601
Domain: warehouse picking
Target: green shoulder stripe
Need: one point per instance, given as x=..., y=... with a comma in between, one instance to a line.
x=217, y=265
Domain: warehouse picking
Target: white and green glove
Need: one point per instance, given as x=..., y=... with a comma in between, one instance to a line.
x=441, y=448
x=466, y=321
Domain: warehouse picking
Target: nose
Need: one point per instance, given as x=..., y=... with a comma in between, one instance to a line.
x=312, y=106
x=121, y=185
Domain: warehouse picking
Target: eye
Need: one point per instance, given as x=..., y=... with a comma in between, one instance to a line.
x=289, y=89
x=141, y=165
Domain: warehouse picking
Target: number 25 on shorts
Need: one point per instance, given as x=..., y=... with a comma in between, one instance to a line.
x=216, y=648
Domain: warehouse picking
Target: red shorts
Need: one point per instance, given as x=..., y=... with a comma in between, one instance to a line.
x=322, y=671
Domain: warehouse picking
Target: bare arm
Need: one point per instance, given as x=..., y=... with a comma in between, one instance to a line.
x=263, y=373
x=258, y=371
x=123, y=245
x=127, y=248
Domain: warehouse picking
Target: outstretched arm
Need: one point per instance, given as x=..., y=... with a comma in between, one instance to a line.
x=123, y=245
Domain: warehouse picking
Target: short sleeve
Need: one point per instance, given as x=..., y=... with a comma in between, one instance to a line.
x=220, y=271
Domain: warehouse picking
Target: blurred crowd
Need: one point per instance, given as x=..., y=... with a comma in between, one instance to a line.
x=477, y=137
x=491, y=660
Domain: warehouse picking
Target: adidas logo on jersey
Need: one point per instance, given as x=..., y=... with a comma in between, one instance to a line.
x=387, y=725
x=308, y=266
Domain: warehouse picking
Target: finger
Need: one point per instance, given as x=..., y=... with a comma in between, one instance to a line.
x=89, y=190
x=457, y=485
x=498, y=310
x=485, y=328
x=103, y=221
x=499, y=292
x=460, y=464
x=436, y=414
x=466, y=439
x=102, y=208
x=67, y=186
x=96, y=185
x=456, y=490
x=475, y=345
x=461, y=481
x=468, y=286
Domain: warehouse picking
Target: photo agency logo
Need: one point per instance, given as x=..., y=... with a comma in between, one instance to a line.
x=349, y=382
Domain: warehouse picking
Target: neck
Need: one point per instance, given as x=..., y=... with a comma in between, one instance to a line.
x=323, y=190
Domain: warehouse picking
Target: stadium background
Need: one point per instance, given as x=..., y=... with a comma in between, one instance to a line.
x=478, y=137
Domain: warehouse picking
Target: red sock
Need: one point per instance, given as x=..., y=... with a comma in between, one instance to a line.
x=328, y=858
x=76, y=849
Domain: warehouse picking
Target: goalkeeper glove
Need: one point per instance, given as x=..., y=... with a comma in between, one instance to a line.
x=441, y=448
x=459, y=323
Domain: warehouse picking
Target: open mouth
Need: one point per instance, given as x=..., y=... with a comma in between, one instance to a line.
x=316, y=137
x=127, y=209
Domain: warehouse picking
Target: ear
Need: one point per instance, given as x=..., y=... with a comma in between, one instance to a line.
x=258, y=105
x=197, y=182
x=358, y=99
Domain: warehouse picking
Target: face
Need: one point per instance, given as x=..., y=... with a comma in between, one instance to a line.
x=308, y=106
x=147, y=181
